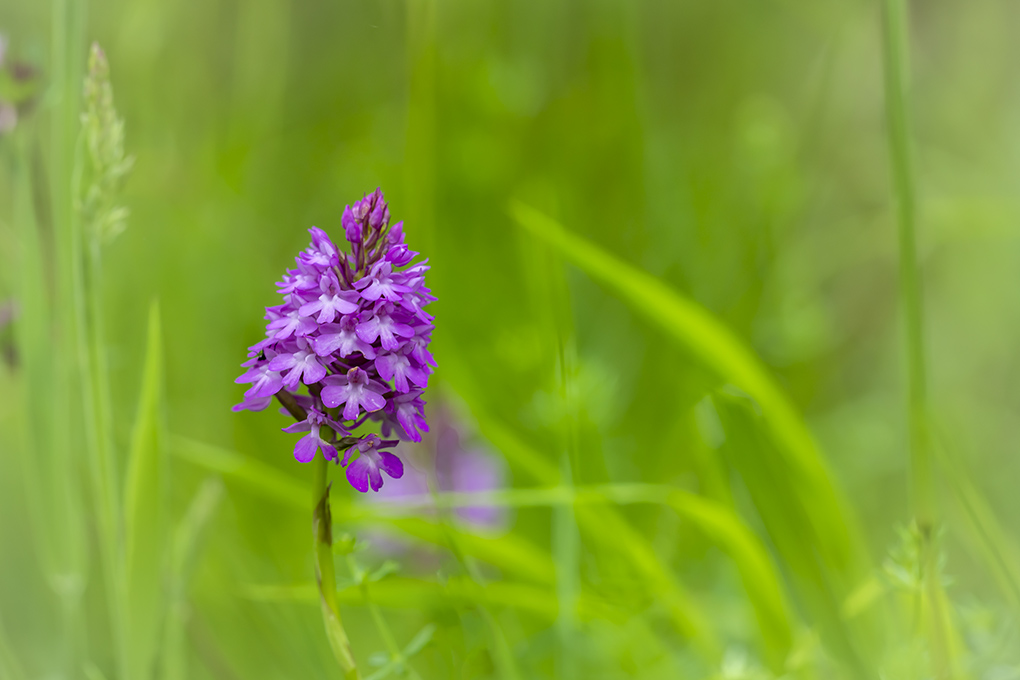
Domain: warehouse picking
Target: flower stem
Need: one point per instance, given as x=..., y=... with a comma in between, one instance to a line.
x=325, y=576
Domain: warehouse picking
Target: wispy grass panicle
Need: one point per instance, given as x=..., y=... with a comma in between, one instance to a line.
x=103, y=137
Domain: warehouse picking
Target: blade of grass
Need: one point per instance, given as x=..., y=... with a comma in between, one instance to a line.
x=510, y=553
x=761, y=581
x=263, y=480
x=408, y=593
x=186, y=539
x=146, y=515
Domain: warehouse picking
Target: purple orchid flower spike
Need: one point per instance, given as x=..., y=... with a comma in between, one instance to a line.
x=351, y=329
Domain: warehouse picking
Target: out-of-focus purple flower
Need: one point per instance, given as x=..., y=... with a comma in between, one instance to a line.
x=459, y=468
x=469, y=470
x=352, y=329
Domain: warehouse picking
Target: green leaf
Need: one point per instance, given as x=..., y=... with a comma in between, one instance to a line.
x=146, y=517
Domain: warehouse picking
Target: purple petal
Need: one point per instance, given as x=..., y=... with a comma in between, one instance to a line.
x=351, y=410
x=357, y=473
x=305, y=449
x=372, y=401
x=334, y=395
x=391, y=465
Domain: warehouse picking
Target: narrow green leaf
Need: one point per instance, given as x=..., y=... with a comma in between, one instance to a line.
x=408, y=593
x=511, y=553
x=418, y=642
x=256, y=476
x=186, y=539
x=145, y=516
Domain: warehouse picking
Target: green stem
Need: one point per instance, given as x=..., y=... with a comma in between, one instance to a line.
x=325, y=576
x=921, y=474
x=898, y=121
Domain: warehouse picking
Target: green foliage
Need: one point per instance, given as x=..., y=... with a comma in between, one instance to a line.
x=688, y=355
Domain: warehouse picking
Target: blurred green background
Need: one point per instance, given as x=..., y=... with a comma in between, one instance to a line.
x=734, y=150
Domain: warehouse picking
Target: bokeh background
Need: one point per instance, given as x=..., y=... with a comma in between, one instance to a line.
x=734, y=150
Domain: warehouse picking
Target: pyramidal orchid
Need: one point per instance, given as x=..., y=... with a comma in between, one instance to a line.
x=347, y=345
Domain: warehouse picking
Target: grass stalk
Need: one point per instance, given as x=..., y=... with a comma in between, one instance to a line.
x=900, y=152
x=566, y=536
x=325, y=575
x=898, y=121
x=68, y=579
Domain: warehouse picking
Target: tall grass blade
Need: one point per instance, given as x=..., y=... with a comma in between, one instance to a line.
x=185, y=545
x=146, y=516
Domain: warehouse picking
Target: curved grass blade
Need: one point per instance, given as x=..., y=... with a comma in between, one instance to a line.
x=146, y=516
x=761, y=581
x=409, y=593
x=511, y=553
x=789, y=520
x=712, y=344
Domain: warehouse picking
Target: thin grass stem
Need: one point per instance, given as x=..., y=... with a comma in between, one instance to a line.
x=900, y=152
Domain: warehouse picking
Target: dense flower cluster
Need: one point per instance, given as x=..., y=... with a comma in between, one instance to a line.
x=353, y=329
